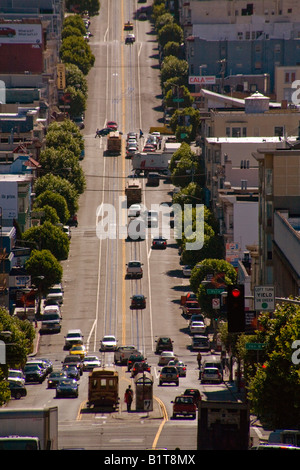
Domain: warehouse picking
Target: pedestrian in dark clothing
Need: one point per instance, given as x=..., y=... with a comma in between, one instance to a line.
x=128, y=397
x=199, y=359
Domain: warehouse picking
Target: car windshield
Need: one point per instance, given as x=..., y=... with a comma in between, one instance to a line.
x=109, y=338
x=51, y=316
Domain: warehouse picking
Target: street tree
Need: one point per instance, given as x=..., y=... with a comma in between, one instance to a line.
x=49, y=237
x=274, y=384
x=44, y=266
x=55, y=200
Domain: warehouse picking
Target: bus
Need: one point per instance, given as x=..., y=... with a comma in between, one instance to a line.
x=103, y=388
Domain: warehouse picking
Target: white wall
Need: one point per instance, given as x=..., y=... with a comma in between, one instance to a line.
x=245, y=223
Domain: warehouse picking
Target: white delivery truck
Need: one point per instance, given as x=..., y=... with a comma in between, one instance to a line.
x=33, y=428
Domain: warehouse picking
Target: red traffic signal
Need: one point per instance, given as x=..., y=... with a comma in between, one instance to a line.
x=236, y=308
x=236, y=292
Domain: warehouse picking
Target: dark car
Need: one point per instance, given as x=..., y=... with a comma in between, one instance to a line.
x=139, y=368
x=73, y=221
x=135, y=357
x=103, y=132
x=55, y=377
x=67, y=388
x=33, y=373
x=72, y=372
x=193, y=392
x=138, y=301
x=163, y=343
x=73, y=360
x=159, y=242
x=17, y=390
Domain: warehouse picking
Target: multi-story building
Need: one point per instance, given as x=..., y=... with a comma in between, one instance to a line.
x=279, y=216
x=238, y=37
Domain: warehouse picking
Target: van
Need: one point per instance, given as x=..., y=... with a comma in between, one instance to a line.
x=212, y=361
x=73, y=337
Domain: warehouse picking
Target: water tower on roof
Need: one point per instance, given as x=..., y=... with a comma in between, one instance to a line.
x=257, y=103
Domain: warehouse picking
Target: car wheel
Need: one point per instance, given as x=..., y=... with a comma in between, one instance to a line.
x=160, y=382
x=174, y=415
x=177, y=383
x=17, y=395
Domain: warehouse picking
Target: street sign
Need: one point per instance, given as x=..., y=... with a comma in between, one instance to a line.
x=264, y=298
x=255, y=346
x=215, y=291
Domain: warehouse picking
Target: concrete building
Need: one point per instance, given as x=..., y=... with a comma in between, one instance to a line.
x=238, y=37
x=15, y=200
x=279, y=213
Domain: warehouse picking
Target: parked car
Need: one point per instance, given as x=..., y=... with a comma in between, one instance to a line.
x=41, y=364
x=55, y=377
x=187, y=271
x=67, y=231
x=90, y=362
x=159, y=242
x=140, y=367
x=138, y=301
x=17, y=389
x=134, y=269
x=165, y=357
x=122, y=353
x=67, y=388
x=163, y=343
x=108, y=343
x=197, y=327
x=196, y=317
x=185, y=406
x=211, y=374
x=200, y=343
x=33, y=373
x=135, y=357
x=169, y=374
x=17, y=375
x=195, y=393
x=181, y=367
x=51, y=323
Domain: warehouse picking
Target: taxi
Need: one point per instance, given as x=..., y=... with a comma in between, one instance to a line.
x=78, y=350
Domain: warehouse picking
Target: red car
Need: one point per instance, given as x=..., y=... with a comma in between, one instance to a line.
x=184, y=405
x=112, y=125
x=138, y=301
x=9, y=32
x=149, y=148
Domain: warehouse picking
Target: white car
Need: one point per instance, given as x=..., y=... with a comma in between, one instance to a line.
x=197, y=327
x=90, y=362
x=187, y=271
x=49, y=309
x=108, y=343
x=165, y=357
x=134, y=210
x=17, y=376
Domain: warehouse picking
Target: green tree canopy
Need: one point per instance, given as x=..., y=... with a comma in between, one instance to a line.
x=75, y=50
x=200, y=273
x=55, y=200
x=170, y=32
x=49, y=237
x=175, y=70
x=75, y=78
x=43, y=264
x=63, y=165
x=59, y=139
x=274, y=387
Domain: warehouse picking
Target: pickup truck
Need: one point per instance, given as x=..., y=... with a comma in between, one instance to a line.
x=191, y=307
x=122, y=354
x=134, y=269
x=184, y=405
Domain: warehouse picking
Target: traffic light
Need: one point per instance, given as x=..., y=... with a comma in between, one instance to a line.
x=236, y=308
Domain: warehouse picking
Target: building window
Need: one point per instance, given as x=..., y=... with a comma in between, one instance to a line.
x=289, y=77
x=278, y=131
